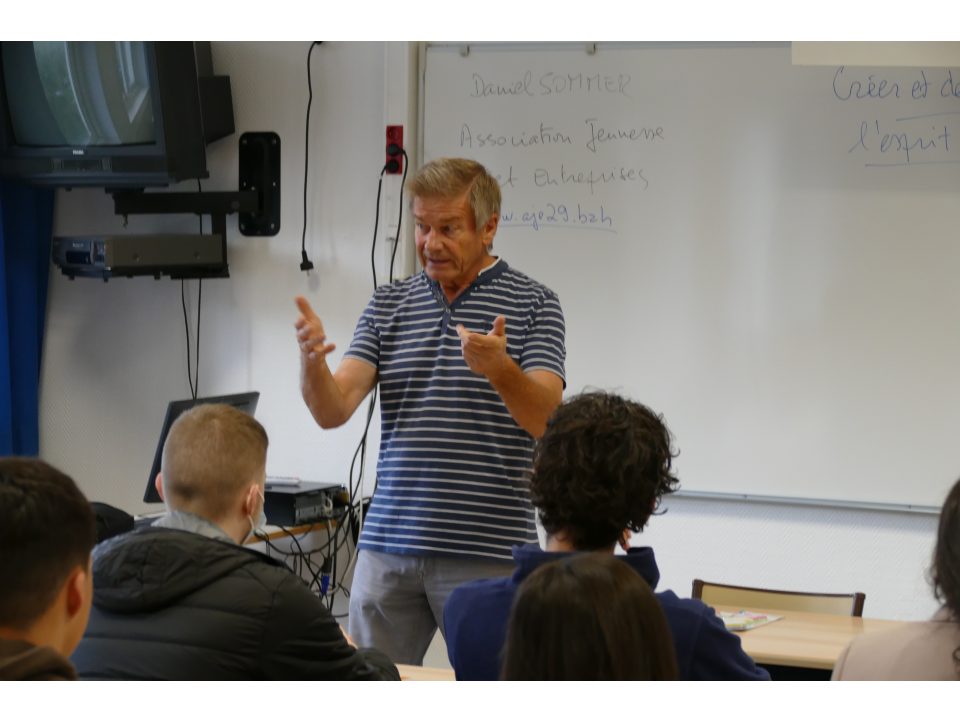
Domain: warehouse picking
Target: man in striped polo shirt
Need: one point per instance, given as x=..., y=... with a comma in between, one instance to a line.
x=469, y=355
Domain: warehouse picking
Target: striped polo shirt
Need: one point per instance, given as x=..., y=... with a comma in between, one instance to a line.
x=453, y=470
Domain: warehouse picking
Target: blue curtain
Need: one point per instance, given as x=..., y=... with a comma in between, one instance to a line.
x=26, y=226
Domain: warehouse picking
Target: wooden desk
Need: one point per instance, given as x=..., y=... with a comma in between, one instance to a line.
x=799, y=639
x=272, y=532
x=804, y=639
x=413, y=673
x=275, y=532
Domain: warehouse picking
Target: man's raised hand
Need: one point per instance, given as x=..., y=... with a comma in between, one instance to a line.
x=485, y=354
x=310, y=333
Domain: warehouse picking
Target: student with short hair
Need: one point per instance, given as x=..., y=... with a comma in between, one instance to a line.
x=599, y=472
x=919, y=650
x=47, y=530
x=587, y=617
x=184, y=599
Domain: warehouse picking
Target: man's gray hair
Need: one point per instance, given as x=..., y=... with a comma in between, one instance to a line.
x=451, y=177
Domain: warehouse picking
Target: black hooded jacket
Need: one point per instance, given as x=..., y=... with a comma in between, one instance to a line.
x=22, y=661
x=171, y=604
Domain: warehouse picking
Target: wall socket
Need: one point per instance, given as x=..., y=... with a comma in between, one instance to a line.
x=394, y=160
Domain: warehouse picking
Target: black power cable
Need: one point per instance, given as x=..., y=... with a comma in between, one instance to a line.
x=396, y=238
x=196, y=378
x=305, y=263
x=194, y=382
x=376, y=225
x=196, y=370
x=348, y=522
x=352, y=518
x=341, y=535
x=186, y=328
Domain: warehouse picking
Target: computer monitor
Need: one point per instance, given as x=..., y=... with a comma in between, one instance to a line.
x=246, y=402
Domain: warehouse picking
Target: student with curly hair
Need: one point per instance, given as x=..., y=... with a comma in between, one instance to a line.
x=587, y=617
x=921, y=650
x=599, y=472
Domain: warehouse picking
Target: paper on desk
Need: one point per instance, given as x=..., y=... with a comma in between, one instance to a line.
x=742, y=620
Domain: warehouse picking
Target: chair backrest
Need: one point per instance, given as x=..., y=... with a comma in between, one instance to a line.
x=752, y=597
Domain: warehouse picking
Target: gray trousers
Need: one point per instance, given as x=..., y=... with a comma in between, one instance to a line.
x=396, y=601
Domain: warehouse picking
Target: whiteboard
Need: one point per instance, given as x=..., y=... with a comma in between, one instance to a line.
x=766, y=254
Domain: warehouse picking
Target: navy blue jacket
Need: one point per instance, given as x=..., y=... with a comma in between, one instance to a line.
x=476, y=614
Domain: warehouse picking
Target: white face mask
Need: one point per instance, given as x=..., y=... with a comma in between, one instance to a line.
x=258, y=528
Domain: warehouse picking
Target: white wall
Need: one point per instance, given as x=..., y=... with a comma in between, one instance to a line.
x=883, y=554
x=115, y=352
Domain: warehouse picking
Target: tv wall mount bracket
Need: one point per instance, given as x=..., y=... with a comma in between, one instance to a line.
x=257, y=202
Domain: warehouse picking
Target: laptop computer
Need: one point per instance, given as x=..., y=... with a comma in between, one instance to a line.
x=246, y=402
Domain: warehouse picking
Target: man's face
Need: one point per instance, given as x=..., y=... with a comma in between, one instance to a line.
x=450, y=247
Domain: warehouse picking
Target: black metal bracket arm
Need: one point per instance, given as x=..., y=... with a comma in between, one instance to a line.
x=257, y=201
x=217, y=204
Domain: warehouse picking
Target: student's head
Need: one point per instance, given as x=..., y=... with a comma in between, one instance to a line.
x=47, y=530
x=214, y=464
x=945, y=572
x=587, y=616
x=600, y=468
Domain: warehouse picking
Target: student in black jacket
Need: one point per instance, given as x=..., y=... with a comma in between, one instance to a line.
x=183, y=599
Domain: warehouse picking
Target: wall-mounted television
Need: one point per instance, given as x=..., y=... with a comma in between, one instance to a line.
x=110, y=114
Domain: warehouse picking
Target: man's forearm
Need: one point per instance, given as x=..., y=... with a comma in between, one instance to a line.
x=321, y=393
x=529, y=402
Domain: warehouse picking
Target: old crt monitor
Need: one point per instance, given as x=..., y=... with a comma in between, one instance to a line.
x=246, y=402
x=110, y=114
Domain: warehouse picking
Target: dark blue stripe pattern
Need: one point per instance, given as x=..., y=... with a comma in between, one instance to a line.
x=453, y=465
